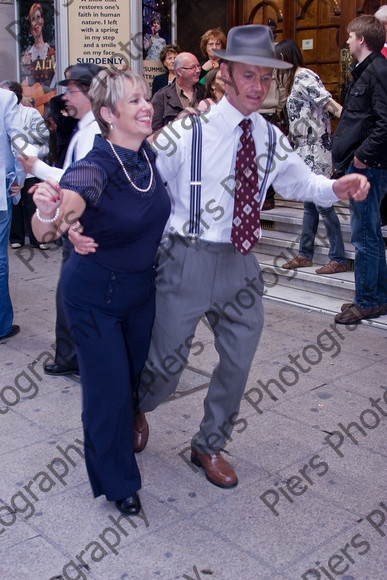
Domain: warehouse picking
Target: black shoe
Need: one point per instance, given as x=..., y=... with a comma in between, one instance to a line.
x=40, y=246
x=129, y=506
x=15, y=329
x=57, y=370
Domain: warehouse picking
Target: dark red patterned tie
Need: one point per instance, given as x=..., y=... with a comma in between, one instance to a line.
x=245, y=224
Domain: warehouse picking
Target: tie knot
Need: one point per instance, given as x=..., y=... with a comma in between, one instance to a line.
x=245, y=125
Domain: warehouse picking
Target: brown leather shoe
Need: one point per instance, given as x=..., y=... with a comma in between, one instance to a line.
x=354, y=314
x=218, y=471
x=297, y=262
x=382, y=308
x=268, y=204
x=141, y=432
x=332, y=267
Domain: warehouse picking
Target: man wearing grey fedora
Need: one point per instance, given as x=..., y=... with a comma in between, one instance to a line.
x=205, y=264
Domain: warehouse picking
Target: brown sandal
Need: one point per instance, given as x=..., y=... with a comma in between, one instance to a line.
x=298, y=262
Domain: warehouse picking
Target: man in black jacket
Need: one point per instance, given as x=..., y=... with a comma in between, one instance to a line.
x=185, y=91
x=359, y=146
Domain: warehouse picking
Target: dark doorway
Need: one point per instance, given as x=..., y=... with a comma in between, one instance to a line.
x=194, y=17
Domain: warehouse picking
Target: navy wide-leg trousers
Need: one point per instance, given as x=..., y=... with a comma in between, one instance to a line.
x=110, y=316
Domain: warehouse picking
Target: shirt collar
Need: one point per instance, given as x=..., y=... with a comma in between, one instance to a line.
x=126, y=155
x=232, y=116
x=357, y=68
x=86, y=120
x=180, y=91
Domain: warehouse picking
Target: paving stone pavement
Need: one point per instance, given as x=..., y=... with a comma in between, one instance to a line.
x=311, y=501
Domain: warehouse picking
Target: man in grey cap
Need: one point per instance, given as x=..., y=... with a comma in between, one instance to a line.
x=78, y=105
x=205, y=265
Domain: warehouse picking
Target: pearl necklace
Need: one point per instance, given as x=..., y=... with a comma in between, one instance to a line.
x=127, y=174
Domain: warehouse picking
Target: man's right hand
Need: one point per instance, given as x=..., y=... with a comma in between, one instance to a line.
x=82, y=244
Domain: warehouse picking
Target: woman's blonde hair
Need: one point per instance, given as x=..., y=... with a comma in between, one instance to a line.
x=107, y=88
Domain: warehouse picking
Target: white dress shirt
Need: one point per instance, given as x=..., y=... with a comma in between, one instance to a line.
x=291, y=178
x=81, y=143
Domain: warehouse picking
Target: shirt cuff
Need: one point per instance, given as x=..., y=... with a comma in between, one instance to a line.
x=43, y=171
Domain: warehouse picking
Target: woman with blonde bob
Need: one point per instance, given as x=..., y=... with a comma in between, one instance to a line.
x=122, y=203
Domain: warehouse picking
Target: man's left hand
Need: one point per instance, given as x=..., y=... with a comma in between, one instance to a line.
x=358, y=164
x=352, y=186
x=82, y=244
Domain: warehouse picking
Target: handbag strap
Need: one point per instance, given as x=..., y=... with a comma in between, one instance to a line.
x=196, y=175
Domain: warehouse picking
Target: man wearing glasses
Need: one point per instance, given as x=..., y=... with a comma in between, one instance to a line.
x=78, y=106
x=185, y=91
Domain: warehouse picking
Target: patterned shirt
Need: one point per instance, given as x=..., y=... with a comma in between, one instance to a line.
x=309, y=121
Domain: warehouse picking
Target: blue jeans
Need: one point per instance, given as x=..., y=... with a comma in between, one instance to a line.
x=6, y=310
x=370, y=253
x=309, y=231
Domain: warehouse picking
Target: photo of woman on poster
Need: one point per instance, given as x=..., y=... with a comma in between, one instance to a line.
x=157, y=33
x=38, y=59
x=153, y=42
x=37, y=49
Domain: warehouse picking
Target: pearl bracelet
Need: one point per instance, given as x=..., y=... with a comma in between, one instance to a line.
x=50, y=221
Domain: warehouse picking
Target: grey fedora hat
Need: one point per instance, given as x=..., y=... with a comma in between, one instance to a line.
x=251, y=44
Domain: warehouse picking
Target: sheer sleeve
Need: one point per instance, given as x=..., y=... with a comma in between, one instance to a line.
x=87, y=179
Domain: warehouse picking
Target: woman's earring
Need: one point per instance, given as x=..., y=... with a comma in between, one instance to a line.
x=111, y=126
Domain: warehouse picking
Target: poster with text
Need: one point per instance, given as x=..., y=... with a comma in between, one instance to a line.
x=99, y=33
x=37, y=51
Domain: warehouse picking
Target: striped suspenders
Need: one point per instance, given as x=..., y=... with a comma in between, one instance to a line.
x=196, y=171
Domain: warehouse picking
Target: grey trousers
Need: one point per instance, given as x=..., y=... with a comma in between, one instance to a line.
x=199, y=278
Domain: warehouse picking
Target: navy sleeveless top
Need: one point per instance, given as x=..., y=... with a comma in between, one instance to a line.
x=126, y=223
